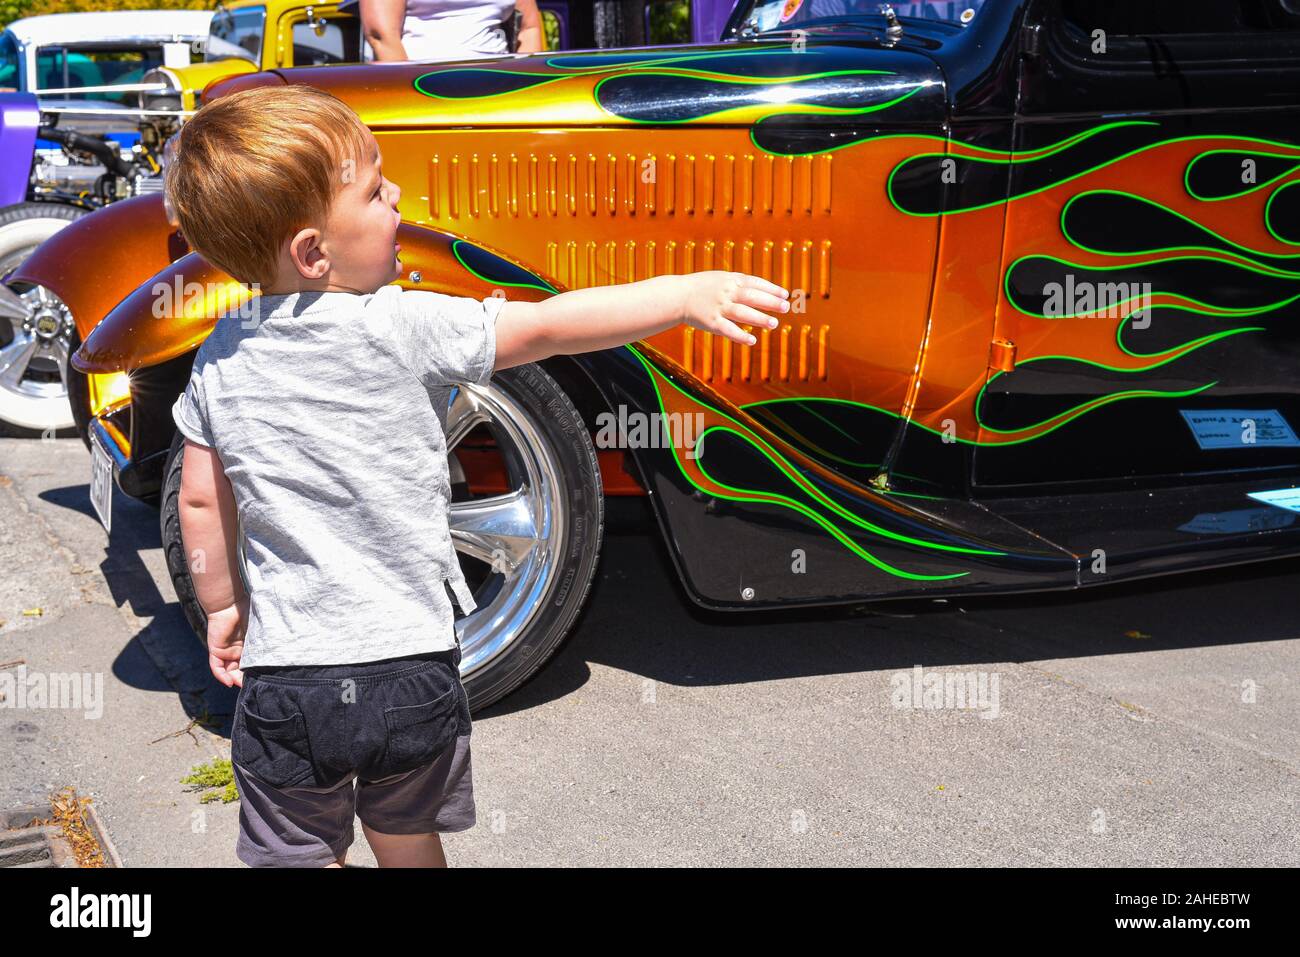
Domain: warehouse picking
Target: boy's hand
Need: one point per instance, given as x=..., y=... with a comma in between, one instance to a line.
x=602, y=317
x=715, y=300
x=226, y=629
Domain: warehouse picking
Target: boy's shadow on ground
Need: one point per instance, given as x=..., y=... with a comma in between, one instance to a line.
x=166, y=655
x=168, y=645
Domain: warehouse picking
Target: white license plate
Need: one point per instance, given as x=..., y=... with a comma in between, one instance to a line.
x=101, y=485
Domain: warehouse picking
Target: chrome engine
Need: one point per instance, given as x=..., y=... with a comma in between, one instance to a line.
x=57, y=171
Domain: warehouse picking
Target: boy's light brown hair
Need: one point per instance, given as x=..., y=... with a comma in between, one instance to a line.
x=252, y=168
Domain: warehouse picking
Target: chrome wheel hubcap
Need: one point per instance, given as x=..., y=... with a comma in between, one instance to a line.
x=37, y=350
x=509, y=544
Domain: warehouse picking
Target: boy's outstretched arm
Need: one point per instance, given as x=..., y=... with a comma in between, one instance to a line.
x=584, y=320
x=210, y=536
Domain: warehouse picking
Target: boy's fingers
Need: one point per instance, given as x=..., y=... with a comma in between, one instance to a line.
x=764, y=300
x=219, y=670
x=743, y=313
x=725, y=327
x=758, y=282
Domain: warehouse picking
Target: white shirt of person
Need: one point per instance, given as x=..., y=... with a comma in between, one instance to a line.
x=452, y=29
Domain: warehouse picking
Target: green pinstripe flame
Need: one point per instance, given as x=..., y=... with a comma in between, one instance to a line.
x=818, y=497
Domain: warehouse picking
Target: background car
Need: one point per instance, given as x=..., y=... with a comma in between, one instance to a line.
x=159, y=62
x=69, y=143
x=251, y=35
x=85, y=69
x=926, y=421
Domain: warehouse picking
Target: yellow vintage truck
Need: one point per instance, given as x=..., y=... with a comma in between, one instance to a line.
x=246, y=36
x=251, y=35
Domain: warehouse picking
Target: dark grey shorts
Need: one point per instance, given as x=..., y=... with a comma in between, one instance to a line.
x=399, y=728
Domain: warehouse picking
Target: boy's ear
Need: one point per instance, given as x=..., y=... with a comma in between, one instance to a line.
x=305, y=251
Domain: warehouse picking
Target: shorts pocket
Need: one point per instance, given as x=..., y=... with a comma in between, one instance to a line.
x=419, y=733
x=273, y=749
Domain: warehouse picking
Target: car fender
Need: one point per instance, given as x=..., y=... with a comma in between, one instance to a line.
x=93, y=263
x=171, y=312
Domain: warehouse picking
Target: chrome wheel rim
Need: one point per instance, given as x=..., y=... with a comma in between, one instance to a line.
x=34, y=357
x=511, y=541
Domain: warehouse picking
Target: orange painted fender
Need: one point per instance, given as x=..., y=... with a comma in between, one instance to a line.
x=94, y=262
x=173, y=311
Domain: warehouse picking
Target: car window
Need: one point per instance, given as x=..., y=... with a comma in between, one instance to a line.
x=236, y=34
x=8, y=63
x=667, y=21
x=1110, y=56
x=63, y=67
x=1170, y=18
x=552, y=30
x=333, y=40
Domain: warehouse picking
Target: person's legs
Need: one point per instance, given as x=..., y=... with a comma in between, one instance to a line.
x=400, y=710
x=405, y=850
x=403, y=812
x=402, y=816
x=292, y=827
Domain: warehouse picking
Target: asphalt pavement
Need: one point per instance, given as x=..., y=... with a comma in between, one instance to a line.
x=1153, y=723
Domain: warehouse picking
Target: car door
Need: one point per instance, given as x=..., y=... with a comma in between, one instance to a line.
x=320, y=35
x=1151, y=261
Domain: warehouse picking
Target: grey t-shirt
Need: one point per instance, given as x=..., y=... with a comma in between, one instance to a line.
x=328, y=412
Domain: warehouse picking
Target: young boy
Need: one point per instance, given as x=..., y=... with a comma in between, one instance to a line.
x=314, y=433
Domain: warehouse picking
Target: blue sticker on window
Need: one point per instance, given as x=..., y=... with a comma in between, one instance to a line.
x=1288, y=498
x=1239, y=428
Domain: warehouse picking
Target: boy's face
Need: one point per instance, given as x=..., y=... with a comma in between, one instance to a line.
x=360, y=233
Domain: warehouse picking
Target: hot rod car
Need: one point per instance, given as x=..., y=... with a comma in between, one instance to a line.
x=1045, y=259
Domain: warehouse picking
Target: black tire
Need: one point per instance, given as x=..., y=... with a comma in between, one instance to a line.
x=78, y=391
x=555, y=421
x=173, y=549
